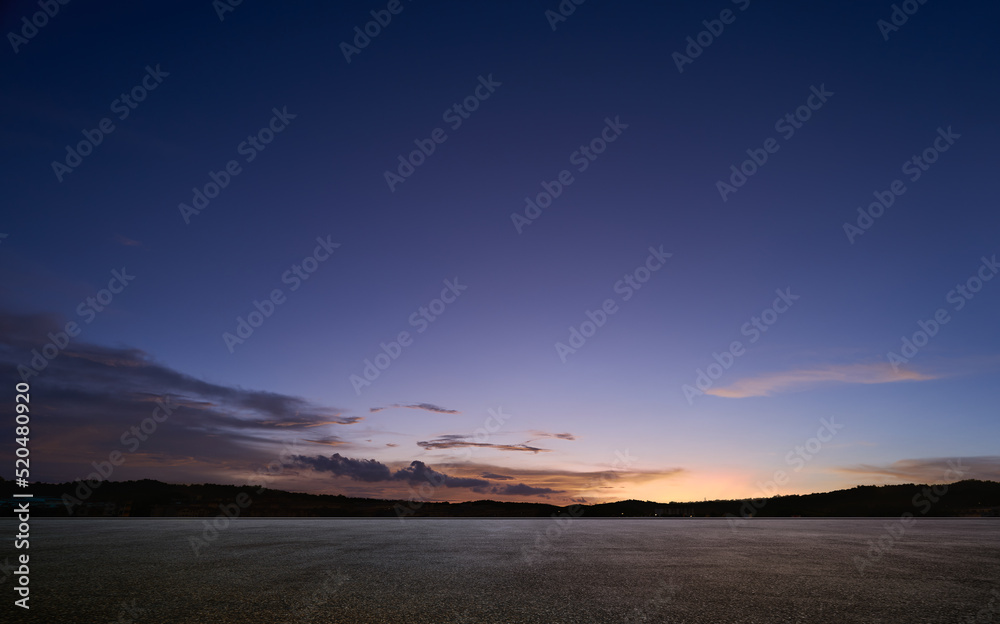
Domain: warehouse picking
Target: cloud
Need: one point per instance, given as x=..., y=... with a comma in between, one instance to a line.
x=524, y=490
x=300, y=422
x=545, y=434
x=462, y=441
x=90, y=399
x=372, y=470
x=496, y=477
x=480, y=478
x=588, y=484
x=429, y=407
x=331, y=441
x=369, y=470
x=933, y=470
x=88, y=367
x=791, y=381
x=419, y=472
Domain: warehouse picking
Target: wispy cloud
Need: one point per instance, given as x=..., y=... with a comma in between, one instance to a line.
x=932, y=470
x=524, y=490
x=794, y=380
x=88, y=395
x=462, y=441
x=588, y=484
x=545, y=434
x=330, y=441
x=496, y=477
x=299, y=422
x=429, y=407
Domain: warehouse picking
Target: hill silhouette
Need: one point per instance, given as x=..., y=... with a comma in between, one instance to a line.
x=149, y=498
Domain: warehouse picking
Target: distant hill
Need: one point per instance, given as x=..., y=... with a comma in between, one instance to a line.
x=155, y=498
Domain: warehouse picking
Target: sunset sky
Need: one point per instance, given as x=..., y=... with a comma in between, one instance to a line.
x=332, y=247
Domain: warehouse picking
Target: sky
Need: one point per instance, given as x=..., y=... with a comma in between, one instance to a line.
x=538, y=251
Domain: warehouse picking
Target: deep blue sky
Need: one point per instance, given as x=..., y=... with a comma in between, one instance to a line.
x=655, y=185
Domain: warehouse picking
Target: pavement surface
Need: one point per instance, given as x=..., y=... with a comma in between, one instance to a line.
x=316, y=571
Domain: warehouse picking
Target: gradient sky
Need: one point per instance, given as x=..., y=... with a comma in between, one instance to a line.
x=611, y=421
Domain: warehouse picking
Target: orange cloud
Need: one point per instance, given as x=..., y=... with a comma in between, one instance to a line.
x=331, y=441
x=932, y=470
x=790, y=381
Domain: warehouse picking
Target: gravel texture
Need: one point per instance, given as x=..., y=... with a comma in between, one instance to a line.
x=413, y=571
